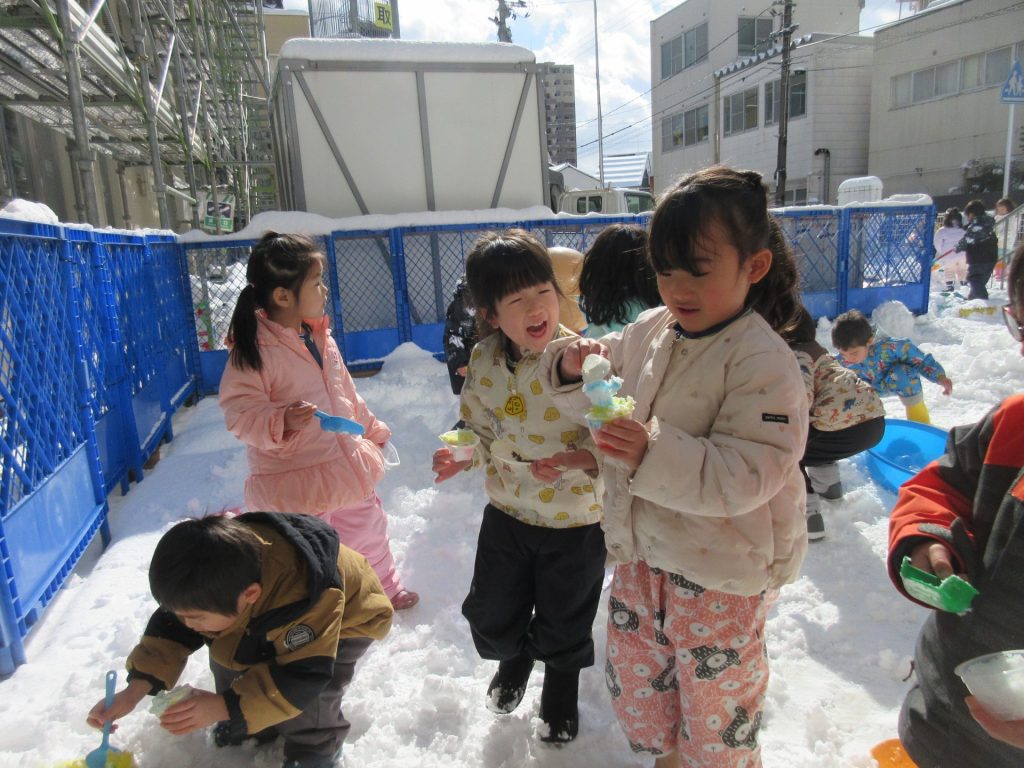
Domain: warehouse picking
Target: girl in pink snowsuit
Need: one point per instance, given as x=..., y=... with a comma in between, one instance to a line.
x=284, y=365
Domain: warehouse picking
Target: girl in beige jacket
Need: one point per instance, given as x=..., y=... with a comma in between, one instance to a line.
x=704, y=500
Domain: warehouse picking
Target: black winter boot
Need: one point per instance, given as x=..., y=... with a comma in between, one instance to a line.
x=558, y=705
x=509, y=684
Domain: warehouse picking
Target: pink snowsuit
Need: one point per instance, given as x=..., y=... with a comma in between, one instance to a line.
x=326, y=474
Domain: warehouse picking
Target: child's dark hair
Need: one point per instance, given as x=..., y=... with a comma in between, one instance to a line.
x=737, y=203
x=501, y=263
x=616, y=272
x=204, y=564
x=952, y=217
x=804, y=327
x=851, y=329
x=975, y=208
x=277, y=261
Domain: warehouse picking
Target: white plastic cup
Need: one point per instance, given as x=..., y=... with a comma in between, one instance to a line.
x=997, y=681
x=465, y=448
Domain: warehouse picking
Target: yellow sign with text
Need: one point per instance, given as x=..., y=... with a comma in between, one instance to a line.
x=382, y=16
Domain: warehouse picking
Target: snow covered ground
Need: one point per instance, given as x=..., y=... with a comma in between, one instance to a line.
x=840, y=639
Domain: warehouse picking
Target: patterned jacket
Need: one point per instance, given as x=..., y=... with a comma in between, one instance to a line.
x=517, y=423
x=837, y=396
x=315, y=592
x=972, y=500
x=884, y=355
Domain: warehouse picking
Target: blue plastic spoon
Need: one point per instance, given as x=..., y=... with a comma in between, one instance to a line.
x=338, y=424
x=98, y=757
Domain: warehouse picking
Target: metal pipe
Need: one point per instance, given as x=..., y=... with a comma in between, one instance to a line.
x=147, y=96
x=82, y=153
x=84, y=29
x=600, y=129
x=180, y=86
x=826, y=181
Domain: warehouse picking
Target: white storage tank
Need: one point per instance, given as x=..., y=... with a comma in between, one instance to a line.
x=861, y=189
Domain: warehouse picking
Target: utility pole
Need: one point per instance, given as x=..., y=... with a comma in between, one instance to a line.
x=600, y=131
x=506, y=9
x=780, y=165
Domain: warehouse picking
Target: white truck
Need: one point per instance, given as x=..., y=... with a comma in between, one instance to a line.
x=606, y=201
x=367, y=126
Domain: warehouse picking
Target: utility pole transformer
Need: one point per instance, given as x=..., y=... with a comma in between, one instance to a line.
x=780, y=165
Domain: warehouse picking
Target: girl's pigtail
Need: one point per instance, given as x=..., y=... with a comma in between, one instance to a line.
x=242, y=331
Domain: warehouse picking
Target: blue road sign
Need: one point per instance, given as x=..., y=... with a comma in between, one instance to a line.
x=1013, y=88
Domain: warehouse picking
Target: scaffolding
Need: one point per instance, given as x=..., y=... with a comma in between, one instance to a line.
x=179, y=86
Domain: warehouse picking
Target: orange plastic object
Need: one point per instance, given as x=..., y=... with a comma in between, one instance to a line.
x=890, y=754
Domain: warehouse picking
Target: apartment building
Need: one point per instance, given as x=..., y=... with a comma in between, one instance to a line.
x=716, y=75
x=937, y=123
x=558, y=83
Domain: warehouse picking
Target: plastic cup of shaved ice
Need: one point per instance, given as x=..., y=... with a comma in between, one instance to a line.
x=996, y=680
x=462, y=442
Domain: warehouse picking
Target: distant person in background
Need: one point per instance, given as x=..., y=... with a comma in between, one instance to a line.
x=616, y=283
x=891, y=366
x=962, y=514
x=952, y=263
x=1005, y=206
x=981, y=247
x=460, y=334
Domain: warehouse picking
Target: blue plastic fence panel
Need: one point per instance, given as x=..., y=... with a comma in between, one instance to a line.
x=215, y=275
x=890, y=254
x=814, y=237
x=109, y=392
x=370, y=307
x=178, y=364
x=52, y=499
x=435, y=259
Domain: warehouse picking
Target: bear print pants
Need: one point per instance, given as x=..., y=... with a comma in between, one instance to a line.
x=687, y=667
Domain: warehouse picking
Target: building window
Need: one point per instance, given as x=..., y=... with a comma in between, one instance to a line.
x=671, y=57
x=798, y=94
x=979, y=70
x=795, y=197
x=696, y=45
x=684, y=51
x=797, y=98
x=752, y=35
x=684, y=128
x=997, y=66
x=739, y=112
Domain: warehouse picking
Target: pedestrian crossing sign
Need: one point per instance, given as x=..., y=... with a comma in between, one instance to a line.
x=1013, y=88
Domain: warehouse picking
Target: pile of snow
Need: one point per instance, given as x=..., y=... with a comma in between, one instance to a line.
x=840, y=640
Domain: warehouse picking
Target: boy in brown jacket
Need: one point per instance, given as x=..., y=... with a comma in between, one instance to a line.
x=285, y=611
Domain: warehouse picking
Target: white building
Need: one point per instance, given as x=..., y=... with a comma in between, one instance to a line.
x=937, y=124
x=715, y=65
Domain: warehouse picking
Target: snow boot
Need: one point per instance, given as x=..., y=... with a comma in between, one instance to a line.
x=815, y=522
x=509, y=684
x=825, y=481
x=558, y=705
x=918, y=412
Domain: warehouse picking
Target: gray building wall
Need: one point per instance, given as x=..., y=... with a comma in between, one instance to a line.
x=926, y=145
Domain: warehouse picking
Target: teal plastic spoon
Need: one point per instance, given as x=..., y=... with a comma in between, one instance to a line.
x=98, y=757
x=338, y=424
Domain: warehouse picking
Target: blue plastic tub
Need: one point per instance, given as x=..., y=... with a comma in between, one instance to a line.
x=905, y=449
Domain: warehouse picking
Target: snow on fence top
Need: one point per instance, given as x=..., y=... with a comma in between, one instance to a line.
x=321, y=49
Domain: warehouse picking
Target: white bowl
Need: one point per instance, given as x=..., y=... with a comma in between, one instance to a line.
x=997, y=681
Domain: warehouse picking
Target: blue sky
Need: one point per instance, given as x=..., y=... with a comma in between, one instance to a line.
x=563, y=31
